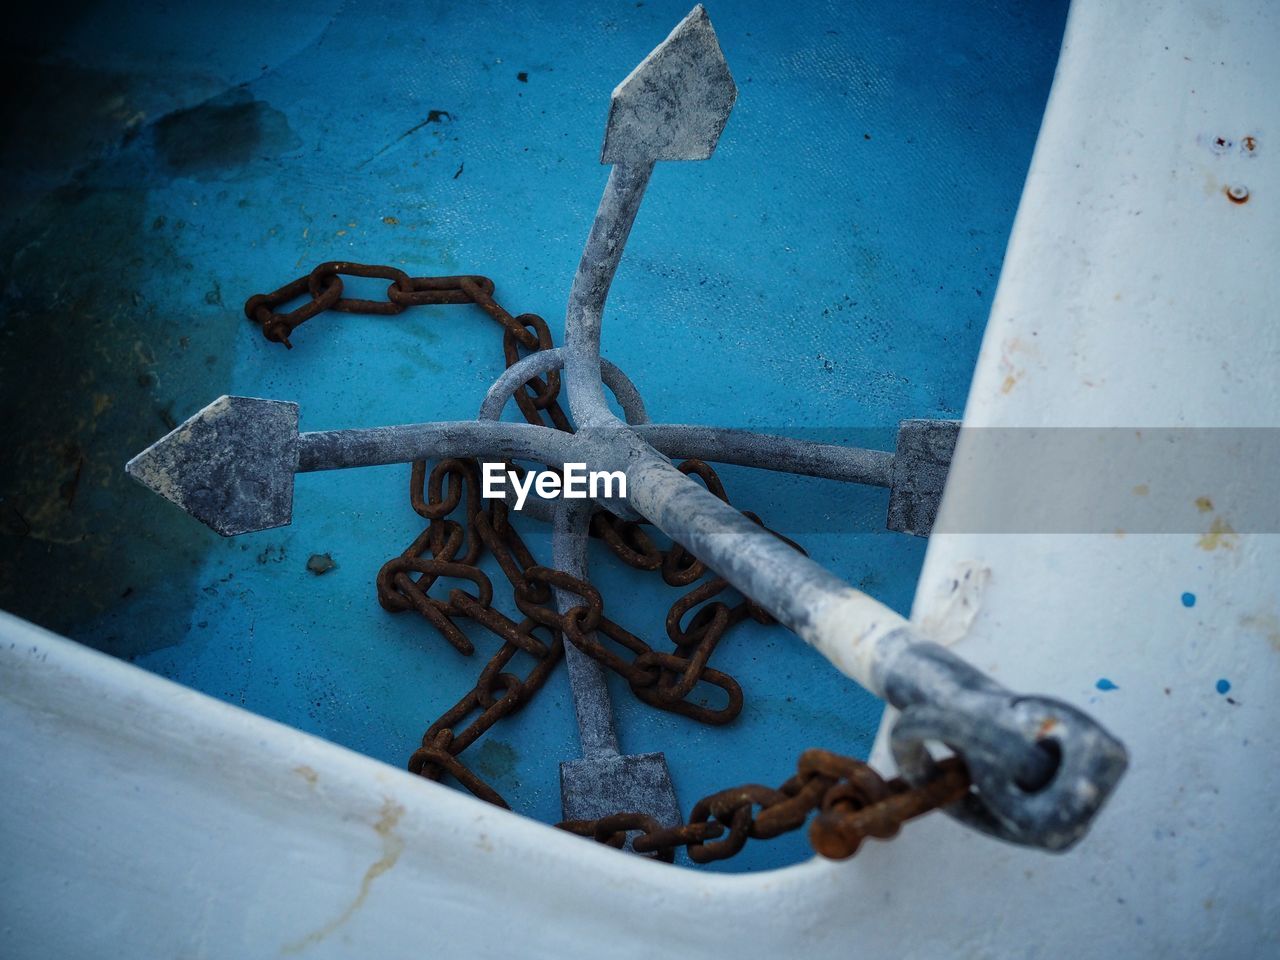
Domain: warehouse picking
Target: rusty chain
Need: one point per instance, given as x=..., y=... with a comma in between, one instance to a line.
x=852, y=800
x=853, y=803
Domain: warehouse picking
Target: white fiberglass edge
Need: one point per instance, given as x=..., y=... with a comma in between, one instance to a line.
x=143, y=819
x=1134, y=294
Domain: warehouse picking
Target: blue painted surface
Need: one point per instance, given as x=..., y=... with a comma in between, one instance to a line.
x=829, y=269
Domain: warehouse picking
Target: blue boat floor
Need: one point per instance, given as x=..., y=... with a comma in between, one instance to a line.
x=829, y=271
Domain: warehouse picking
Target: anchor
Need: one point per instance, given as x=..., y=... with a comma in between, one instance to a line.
x=1039, y=768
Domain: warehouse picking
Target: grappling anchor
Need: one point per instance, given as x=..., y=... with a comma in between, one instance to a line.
x=232, y=466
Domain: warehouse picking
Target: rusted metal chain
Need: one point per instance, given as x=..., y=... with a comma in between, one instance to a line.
x=852, y=800
x=853, y=803
x=459, y=531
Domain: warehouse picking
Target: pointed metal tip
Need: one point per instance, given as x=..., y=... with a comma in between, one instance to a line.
x=230, y=466
x=674, y=105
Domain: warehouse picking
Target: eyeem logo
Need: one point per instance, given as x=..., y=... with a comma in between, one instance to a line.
x=577, y=483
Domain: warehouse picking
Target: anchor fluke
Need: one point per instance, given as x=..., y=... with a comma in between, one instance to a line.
x=230, y=466
x=674, y=105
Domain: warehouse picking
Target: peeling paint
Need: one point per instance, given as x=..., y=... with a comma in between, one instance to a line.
x=1220, y=535
x=953, y=610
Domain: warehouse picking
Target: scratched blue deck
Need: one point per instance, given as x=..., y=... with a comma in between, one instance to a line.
x=831, y=267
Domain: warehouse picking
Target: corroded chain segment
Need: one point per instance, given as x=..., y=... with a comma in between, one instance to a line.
x=852, y=800
x=461, y=528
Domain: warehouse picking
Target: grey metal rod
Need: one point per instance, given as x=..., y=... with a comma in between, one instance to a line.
x=376, y=446
x=600, y=257
x=746, y=448
x=719, y=444
x=787, y=583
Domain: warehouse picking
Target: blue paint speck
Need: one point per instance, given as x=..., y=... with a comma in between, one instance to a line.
x=1188, y=599
x=1105, y=684
x=1222, y=686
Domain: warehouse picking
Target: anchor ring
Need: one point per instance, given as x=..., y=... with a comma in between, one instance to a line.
x=1040, y=769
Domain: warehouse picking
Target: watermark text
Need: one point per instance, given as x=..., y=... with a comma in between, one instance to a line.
x=575, y=482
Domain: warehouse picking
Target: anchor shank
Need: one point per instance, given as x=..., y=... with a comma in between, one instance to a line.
x=847, y=626
x=1041, y=769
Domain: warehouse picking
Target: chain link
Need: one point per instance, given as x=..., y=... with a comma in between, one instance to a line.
x=853, y=803
x=852, y=800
